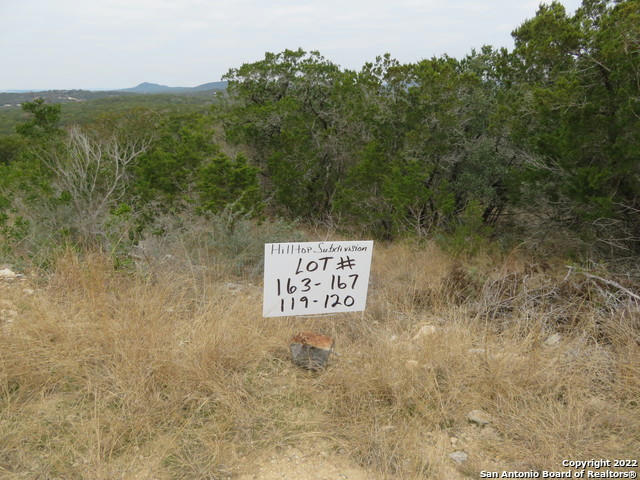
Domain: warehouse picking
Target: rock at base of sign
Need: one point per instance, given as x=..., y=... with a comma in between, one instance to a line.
x=311, y=350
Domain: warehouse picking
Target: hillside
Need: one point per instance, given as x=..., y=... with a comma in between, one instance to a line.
x=8, y=100
x=150, y=88
x=86, y=111
x=15, y=98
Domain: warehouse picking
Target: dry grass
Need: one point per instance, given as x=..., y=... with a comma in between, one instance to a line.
x=174, y=373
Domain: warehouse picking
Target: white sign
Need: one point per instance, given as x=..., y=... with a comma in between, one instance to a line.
x=315, y=277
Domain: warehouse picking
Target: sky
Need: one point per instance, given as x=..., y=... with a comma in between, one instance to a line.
x=109, y=44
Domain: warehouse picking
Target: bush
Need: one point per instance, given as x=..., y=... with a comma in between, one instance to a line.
x=226, y=183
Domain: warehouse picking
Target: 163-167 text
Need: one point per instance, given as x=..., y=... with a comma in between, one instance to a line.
x=289, y=287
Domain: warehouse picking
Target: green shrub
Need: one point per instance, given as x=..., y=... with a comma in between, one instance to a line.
x=226, y=183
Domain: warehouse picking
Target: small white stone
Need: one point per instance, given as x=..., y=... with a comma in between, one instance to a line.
x=476, y=351
x=459, y=456
x=553, y=340
x=479, y=417
x=28, y=291
x=425, y=331
x=7, y=273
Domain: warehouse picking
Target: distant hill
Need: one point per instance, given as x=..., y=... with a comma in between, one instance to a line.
x=15, y=97
x=211, y=86
x=147, y=87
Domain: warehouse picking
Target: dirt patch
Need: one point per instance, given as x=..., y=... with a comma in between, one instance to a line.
x=304, y=463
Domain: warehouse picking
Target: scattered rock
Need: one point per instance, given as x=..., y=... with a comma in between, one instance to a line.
x=311, y=350
x=553, y=340
x=235, y=288
x=453, y=441
x=476, y=351
x=8, y=274
x=479, y=417
x=489, y=433
x=459, y=456
x=28, y=291
x=425, y=331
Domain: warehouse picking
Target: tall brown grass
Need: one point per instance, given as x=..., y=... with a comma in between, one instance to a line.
x=173, y=373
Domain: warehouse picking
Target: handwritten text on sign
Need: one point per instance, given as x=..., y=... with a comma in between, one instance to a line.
x=315, y=277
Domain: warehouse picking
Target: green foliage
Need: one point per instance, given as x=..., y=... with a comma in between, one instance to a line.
x=228, y=241
x=105, y=185
x=311, y=127
x=292, y=111
x=164, y=173
x=358, y=196
x=234, y=236
x=575, y=108
x=97, y=104
x=228, y=183
x=11, y=146
x=13, y=230
x=544, y=44
x=457, y=148
x=470, y=233
x=44, y=121
x=63, y=185
x=435, y=151
x=25, y=184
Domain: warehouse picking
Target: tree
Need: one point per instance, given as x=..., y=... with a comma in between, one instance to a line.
x=575, y=101
x=93, y=173
x=229, y=183
x=435, y=150
x=164, y=174
x=10, y=148
x=45, y=120
x=291, y=109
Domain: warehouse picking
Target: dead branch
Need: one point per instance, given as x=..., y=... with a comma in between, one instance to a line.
x=605, y=281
